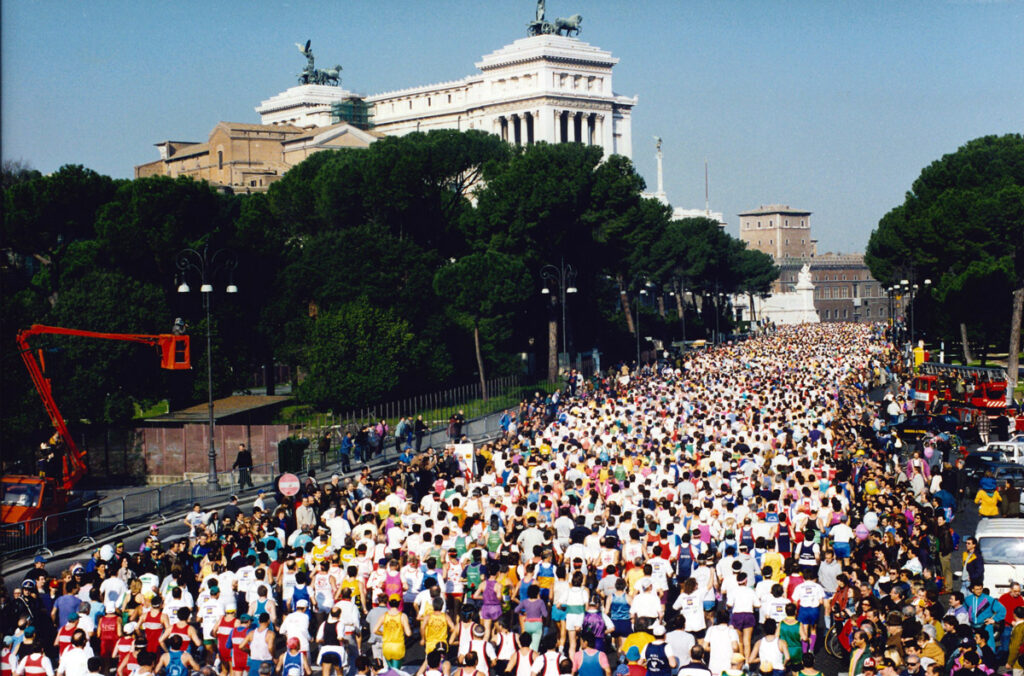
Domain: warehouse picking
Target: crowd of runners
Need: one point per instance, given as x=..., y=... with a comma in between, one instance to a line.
x=740, y=512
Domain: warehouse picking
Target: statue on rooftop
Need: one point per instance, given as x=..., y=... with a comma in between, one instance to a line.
x=541, y=26
x=310, y=75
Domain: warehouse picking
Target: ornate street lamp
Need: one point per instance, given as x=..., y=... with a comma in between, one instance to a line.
x=205, y=266
x=563, y=278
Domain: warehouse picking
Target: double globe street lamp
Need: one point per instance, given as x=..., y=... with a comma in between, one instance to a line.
x=205, y=266
x=563, y=278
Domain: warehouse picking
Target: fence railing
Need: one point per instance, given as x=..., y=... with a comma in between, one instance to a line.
x=158, y=503
x=435, y=407
x=124, y=512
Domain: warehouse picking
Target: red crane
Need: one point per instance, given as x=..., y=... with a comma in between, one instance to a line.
x=26, y=497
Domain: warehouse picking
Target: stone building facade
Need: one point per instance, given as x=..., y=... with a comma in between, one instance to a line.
x=844, y=290
x=779, y=231
x=247, y=158
x=541, y=88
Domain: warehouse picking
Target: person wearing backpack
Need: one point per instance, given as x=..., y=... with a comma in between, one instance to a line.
x=176, y=662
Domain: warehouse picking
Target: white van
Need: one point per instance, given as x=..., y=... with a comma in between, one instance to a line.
x=1002, y=547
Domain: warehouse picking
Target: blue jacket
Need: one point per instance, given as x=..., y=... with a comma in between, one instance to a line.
x=980, y=609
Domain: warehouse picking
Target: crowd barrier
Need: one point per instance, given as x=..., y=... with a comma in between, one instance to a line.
x=139, y=509
x=123, y=513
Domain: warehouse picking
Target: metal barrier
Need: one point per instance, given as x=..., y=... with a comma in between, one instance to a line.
x=69, y=526
x=134, y=509
x=124, y=512
x=106, y=515
x=22, y=536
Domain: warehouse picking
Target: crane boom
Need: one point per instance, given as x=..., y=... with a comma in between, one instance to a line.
x=174, y=355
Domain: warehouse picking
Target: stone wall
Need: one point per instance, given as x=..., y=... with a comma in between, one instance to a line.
x=174, y=451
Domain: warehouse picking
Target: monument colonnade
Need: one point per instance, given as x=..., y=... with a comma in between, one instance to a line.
x=552, y=125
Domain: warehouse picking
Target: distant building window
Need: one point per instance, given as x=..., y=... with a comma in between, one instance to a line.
x=449, y=98
x=828, y=314
x=220, y=159
x=252, y=183
x=787, y=222
x=867, y=312
x=410, y=104
x=846, y=314
x=759, y=224
x=428, y=101
x=787, y=242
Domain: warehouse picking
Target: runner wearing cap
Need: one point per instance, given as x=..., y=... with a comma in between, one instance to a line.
x=237, y=658
x=259, y=644
x=223, y=632
x=293, y=661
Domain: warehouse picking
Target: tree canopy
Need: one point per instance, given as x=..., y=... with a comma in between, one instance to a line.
x=962, y=226
x=394, y=270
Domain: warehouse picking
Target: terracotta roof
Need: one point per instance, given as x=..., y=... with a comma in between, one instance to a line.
x=774, y=209
x=245, y=126
x=189, y=151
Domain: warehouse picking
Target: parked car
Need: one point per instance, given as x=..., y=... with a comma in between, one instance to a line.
x=980, y=461
x=919, y=426
x=1001, y=472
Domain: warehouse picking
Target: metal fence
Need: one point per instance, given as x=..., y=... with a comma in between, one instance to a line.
x=125, y=512
x=136, y=509
x=435, y=407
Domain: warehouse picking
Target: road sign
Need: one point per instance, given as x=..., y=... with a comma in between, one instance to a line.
x=288, y=484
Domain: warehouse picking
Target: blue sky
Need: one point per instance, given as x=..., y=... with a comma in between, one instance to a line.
x=828, y=105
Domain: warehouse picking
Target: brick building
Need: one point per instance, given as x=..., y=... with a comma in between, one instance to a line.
x=249, y=157
x=779, y=231
x=844, y=290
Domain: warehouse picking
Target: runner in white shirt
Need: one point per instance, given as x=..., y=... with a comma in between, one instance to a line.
x=690, y=604
x=211, y=610
x=743, y=601
x=809, y=596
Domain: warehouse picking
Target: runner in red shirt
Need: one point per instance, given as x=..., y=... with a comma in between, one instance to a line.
x=63, y=640
x=223, y=632
x=109, y=630
x=154, y=624
x=125, y=645
x=239, y=657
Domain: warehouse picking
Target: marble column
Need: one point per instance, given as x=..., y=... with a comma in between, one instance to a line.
x=545, y=125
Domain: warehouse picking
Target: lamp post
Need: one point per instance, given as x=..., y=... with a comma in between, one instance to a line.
x=927, y=287
x=718, y=312
x=680, y=293
x=563, y=276
x=205, y=266
x=641, y=292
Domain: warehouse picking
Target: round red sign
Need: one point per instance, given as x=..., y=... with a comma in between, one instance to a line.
x=288, y=484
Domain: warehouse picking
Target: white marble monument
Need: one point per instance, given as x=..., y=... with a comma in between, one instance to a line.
x=794, y=307
x=541, y=88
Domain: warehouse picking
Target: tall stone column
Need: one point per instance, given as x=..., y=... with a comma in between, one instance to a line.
x=545, y=130
x=607, y=129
